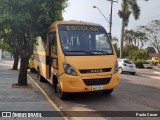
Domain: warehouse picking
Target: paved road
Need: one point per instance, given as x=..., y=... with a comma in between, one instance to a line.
x=140, y=92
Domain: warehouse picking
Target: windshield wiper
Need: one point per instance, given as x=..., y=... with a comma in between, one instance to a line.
x=101, y=52
x=90, y=52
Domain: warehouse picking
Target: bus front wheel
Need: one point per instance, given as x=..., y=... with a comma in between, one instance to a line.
x=62, y=95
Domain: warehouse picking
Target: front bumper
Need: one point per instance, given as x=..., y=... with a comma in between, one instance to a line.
x=76, y=84
x=129, y=69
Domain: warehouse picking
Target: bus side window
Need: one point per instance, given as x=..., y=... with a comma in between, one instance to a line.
x=52, y=42
x=52, y=38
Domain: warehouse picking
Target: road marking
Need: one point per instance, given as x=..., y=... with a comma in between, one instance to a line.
x=150, y=76
x=49, y=100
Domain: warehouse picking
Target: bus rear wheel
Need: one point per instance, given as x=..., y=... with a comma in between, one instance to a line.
x=62, y=95
x=32, y=70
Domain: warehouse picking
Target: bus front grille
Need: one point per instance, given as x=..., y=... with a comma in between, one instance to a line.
x=99, y=81
x=85, y=71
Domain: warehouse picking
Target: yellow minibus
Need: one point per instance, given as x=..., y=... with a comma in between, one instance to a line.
x=76, y=57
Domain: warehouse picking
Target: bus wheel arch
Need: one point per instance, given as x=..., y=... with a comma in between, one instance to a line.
x=57, y=86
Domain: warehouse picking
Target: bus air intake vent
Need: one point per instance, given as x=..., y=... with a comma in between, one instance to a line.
x=99, y=81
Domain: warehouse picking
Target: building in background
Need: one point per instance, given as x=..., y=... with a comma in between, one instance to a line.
x=154, y=55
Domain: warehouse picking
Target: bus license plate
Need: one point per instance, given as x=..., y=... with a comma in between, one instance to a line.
x=97, y=87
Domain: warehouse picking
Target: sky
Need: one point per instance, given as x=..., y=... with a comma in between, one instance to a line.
x=82, y=10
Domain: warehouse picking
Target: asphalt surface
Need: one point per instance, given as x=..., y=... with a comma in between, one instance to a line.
x=140, y=92
x=21, y=99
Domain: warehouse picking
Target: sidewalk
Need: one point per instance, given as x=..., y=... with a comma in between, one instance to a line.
x=20, y=99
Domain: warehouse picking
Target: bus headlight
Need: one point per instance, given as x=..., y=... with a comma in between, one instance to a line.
x=116, y=67
x=69, y=69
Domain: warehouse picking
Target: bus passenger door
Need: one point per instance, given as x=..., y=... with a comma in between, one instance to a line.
x=53, y=64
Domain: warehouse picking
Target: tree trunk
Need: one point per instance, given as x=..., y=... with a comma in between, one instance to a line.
x=22, y=78
x=16, y=60
x=122, y=37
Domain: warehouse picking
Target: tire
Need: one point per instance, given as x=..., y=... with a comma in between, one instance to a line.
x=32, y=70
x=156, y=64
x=133, y=73
x=39, y=76
x=109, y=91
x=62, y=95
x=120, y=70
x=55, y=83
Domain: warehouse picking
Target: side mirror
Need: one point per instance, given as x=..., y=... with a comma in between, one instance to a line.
x=52, y=38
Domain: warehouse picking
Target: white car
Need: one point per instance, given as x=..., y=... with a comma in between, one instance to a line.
x=126, y=65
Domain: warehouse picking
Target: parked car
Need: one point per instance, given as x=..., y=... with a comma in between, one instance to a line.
x=126, y=65
x=155, y=61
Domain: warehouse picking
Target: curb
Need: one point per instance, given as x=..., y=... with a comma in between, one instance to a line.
x=49, y=100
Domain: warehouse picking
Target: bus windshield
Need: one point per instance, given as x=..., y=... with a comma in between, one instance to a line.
x=84, y=40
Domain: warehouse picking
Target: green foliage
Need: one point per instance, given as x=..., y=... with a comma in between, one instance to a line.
x=24, y=20
x=116, y=49
x=5, y=46
x=150, y=50
x=152, y=31
x=128, y=7
x=30, y=15
x=138, y=55
x=127, y=48
x=135, y=38
x=139, y=63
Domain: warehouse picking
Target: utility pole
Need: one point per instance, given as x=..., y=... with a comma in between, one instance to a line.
x=110, y=28
x=109, y=21
x=106, y=20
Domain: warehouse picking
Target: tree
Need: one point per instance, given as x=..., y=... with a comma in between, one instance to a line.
x=152, y=31
x=129, y=36
x=5, y=34
x=114, y=39
x=141, y=39
x=28, y=19
x=116, y=49
x=138, y=54
x=128, y=48
x=4, y=46
x=136, y=38
x=127, y=7
x=150, y=50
